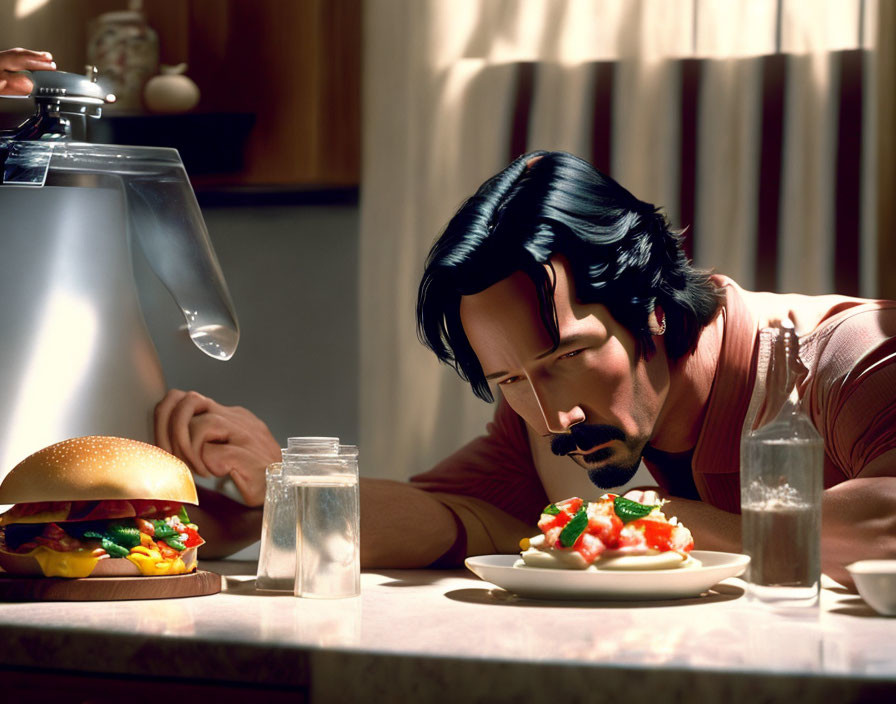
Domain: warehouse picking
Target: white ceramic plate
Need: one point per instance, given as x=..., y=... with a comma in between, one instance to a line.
x=541, y=583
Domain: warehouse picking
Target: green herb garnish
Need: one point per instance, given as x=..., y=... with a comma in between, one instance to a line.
x=629, y=510
x=576, y=526
x=117, y=539
x=126, y=536
x=551, y=510
x=175, y=543
x=114, y=549
x=163, y=531
x=183, y=514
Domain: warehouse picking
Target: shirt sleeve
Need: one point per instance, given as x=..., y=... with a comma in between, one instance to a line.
x=490, y=485
x=853, y=394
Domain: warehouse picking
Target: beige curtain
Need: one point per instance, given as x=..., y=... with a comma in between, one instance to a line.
x=443, y=84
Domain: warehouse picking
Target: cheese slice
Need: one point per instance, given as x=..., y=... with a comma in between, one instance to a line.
x=74, y=563
x=150, y=562
x=82, y=563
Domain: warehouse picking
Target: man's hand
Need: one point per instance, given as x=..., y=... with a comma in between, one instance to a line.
x=14, y=60
x=648, y=497
x=217, y=441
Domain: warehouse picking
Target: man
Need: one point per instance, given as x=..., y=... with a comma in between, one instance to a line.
x=575, y=299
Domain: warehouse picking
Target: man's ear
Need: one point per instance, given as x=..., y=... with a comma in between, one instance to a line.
x=656, y=320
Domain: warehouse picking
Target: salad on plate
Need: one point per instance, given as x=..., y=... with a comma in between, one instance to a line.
x=612, y=533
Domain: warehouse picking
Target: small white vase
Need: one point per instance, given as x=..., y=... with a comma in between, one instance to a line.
x=171, y=91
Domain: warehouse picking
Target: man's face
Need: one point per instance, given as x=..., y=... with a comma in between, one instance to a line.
x=595, y=399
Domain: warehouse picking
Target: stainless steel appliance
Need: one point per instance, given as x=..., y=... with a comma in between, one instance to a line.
x=75, y=354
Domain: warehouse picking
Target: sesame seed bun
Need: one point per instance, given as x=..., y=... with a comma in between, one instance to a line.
x=95, y=468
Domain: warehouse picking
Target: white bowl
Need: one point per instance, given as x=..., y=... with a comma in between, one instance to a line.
x=876, y=581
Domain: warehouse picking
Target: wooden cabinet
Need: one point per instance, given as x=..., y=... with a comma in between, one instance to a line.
x=293, y=65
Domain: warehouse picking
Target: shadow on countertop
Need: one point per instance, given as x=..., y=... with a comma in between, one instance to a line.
x=501, y=597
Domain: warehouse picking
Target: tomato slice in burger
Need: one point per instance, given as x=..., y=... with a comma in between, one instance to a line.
x=191, y=537
x=153, y=507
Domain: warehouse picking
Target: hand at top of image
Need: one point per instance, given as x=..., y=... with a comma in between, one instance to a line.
x=12, y=61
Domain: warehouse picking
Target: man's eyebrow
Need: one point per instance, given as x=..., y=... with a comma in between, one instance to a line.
x=570, y=341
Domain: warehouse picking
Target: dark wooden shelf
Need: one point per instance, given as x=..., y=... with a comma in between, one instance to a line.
x=208, y=143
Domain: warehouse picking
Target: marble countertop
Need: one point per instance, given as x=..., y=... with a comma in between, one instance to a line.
x=447, y=636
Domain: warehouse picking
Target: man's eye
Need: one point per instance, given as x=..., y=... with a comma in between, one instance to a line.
x=568, y=355
x=508, y=380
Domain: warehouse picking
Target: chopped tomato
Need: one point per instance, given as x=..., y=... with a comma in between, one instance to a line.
x=589, y=546
x=657, y=534
x=145, y=526
x=192, y=538
x=681, y=540
x=632, y=537
x=604, y=523
x=552, y=535
x=565, y=511
x=570, y=506
x=549, y=521
x=167, y=552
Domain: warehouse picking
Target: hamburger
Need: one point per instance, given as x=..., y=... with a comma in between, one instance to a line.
x=98, y=506
x=612, y=533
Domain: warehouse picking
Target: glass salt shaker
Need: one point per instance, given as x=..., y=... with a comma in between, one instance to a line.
x=277, y=553
x=276, y=558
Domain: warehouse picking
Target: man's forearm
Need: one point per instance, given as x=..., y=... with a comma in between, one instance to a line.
x=226, y=525
x=858, y=522
x=712, y=528
x=402, y=526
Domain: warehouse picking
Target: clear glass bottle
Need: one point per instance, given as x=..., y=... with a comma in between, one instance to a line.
x=782, y=458
x=327, y=526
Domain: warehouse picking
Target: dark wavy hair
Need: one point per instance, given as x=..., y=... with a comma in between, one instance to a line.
x=621, y=250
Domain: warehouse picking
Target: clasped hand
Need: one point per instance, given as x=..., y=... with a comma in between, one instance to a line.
x=217, y=441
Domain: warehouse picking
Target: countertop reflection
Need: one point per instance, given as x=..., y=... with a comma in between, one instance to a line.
x=448, y=636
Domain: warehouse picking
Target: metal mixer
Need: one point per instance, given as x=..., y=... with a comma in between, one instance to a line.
x=75, y=354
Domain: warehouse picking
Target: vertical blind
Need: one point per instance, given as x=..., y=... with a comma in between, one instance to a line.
x=761, y=267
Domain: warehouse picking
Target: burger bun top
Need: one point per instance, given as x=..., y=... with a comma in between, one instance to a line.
x=96, y=468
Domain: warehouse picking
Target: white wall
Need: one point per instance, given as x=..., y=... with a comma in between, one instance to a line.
x=292, y=273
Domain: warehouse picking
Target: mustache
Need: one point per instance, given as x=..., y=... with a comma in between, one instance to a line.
x=584, y=437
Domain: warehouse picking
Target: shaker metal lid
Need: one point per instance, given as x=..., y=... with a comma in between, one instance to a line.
x=68, y=87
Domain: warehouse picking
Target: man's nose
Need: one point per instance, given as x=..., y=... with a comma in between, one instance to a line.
x=558, y=416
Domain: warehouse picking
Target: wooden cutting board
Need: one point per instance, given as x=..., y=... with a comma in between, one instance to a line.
x=22, y=588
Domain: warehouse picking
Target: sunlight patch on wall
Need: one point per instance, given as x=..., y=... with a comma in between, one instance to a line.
x=24, y=8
